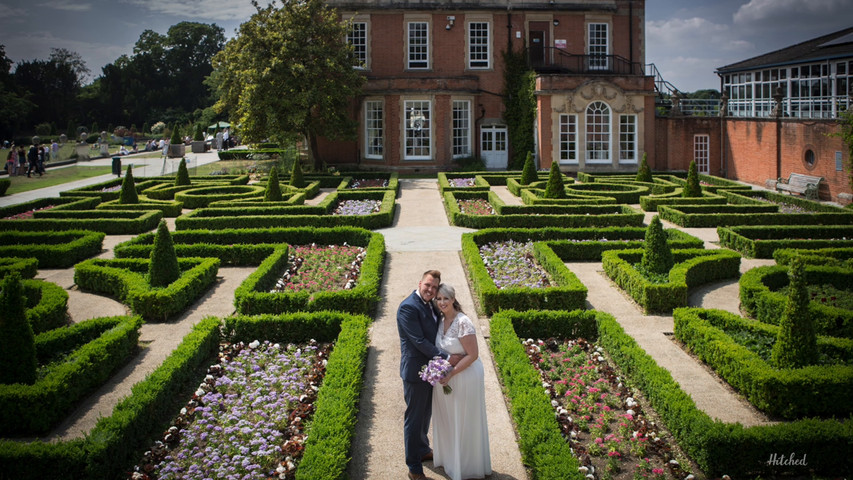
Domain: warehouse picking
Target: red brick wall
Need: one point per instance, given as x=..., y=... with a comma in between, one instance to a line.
x=674, y=139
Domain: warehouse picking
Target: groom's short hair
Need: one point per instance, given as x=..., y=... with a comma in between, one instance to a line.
x=432, y=273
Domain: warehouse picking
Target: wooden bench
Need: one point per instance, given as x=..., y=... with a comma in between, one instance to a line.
x=803, y=184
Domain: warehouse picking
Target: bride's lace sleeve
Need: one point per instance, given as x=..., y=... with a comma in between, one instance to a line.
x=466, y=326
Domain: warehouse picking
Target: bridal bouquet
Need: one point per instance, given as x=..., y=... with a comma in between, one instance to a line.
x=434, y=371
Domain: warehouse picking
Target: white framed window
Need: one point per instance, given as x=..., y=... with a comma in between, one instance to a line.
x=418, y=45
x=461, y=128
x=568, y=138
x=599, y=47
x=597, y=133
x=478, y=45
x=357, y=37
x=418, y=128
x=374, y=129
x=702, y=152
x=627, y=139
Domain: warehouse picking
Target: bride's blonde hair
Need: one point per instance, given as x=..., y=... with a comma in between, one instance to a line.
x=450, y=292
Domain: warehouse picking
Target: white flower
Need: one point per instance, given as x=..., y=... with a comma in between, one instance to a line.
x=689, y=477
x=630, y=412
x=199, y=393
x=254, y=344
x=555, y=403
x=583, y=469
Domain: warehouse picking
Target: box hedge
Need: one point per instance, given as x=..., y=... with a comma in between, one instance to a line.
x=52, y=249
x=696, y=216
x=762, y=241
x=110, y=222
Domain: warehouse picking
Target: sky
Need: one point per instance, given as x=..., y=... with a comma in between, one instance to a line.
x=686, y=39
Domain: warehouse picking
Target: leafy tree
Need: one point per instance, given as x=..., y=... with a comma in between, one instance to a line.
x=657, y=256
x=528, y=173
x=128, y=189
x=520, y=104
x=183, y=177
x=297, y=180
x=692, y=189
x=18, y=355
x=796, y=343
x=555, y=187
x=288, y=73
x=163, y=268
x=644, y=174
x=13, y=102
x=51, y=86
x=273, y=190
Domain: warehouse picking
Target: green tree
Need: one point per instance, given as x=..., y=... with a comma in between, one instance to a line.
x=13, y=102
x=528, y=173
x=692, y=189
x=657, y=256
x=644, y=173
x=273, y=190
x=18, y=353
x=288, y=73
x=163, y=268
x=183, y=176
x=128, y=189
x=297, y=180
x=796, y=343
x=555, y=187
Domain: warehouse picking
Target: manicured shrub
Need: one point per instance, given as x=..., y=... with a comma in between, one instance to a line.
x=128, y=189
x=657, y=256
x=183, y=177
x=18, y=353
x=199, y=135
x=555, y=187
x=4, y=185
x=273, y=191
x=163, y=269
x=796, y=344
x=692, y=189
x=297, y=180
x=528, y=173
x=644, y=174
x=176, y=136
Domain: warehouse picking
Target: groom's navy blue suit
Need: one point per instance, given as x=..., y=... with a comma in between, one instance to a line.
x=418, y=326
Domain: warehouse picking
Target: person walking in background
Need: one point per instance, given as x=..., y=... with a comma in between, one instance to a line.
x=54, y=151
x=12, y=162
x=22, y=161
x=33, y=160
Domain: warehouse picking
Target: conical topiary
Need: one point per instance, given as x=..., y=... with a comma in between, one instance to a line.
x=644, y=174
x=555, y=187
x=128, y=194
x=183, y=177
x=528, y=173
x=796, y=343
x=18, y=352
x=273, y=190
x=163, y=268
x=199, y=134
x=296, y=178
x=176, y=136
x=657, y=256
x=692, y=189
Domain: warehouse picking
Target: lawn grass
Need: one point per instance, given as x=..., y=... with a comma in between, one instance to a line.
x=55, y=176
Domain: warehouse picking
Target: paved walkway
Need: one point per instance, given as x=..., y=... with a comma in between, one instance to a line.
x=420, y=239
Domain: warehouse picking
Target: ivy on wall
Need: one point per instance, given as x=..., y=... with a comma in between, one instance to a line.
x=520, y=103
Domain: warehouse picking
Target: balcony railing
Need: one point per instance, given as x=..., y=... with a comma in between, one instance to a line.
x=557, y=60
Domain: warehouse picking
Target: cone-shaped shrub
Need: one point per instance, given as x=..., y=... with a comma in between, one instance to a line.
x=128, y=189
x=163, y=268
x=692, y=189
x=18, y=351
x=555, y=187
x=528, y=173
x=183, y=177
x=796, y=344
x=273, y=191
x=296, y=178
x=644, y=174
x=657, y=256
x=176, y=136
x=199, y=135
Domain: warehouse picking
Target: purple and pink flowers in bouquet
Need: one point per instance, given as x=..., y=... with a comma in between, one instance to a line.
x=434, y=371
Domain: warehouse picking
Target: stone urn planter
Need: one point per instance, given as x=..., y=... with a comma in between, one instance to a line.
x=177, y=150
x=198, y=146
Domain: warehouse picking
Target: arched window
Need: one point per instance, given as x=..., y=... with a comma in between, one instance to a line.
x=598, y=133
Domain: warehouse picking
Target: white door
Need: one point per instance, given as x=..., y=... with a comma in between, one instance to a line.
x=701, y=153
x=493, y=147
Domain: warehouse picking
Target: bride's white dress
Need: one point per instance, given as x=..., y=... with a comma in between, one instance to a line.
x=460, y=432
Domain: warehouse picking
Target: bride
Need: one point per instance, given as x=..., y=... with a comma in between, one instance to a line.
x=459, y=429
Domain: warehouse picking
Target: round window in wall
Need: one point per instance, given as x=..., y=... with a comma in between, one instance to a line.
x=809, y=157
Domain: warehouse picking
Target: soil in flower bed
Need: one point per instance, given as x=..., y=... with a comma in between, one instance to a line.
x=762, y=345
x=321, y=268
x=357, y=207
x=246, y=419
x=511, y=264
x=368, y=183
x=28, y=214
x=783, y=206
x=613, y=435
x=476, y=206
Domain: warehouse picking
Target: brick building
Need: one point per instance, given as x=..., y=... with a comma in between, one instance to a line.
x=435, y=75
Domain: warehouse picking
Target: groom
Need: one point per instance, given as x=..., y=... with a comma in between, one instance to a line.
x=417, y=324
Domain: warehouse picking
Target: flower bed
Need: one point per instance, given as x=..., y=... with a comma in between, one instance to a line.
x=511, y=264
x=368, y=183
x=28, y=214
x=314, y=269
x=475, y=206
x=357, y=207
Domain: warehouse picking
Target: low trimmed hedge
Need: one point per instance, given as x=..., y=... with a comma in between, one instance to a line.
x=762, y=241
x=761, y=298
x=52, y=249
x=126, y=280
x=47, y=305
x=722, y=215
x=110, y=222
x=288, y=199
x=480, y=184
x=62, y=203
x=26, y=267
x=750, y=197
x=34, y=409
x=622, y=192
x=815, y=390
x=650, y=203
x=393, y=181
x=535, y=196
x=831, y=257
x=202, y=196
x=693, y=267
x=5, y=183
x=170, y=208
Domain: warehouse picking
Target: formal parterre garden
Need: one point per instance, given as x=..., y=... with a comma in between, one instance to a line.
x=274, y=390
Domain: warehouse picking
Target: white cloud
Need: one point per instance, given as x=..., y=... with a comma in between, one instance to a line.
x=67, y=5
x=12, y=14
x=217, y=10
x=780, y=12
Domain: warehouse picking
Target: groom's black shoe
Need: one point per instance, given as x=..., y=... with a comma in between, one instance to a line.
x=427, y=457
x=417, y=476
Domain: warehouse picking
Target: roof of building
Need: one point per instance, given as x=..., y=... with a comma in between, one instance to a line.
x=831, y=46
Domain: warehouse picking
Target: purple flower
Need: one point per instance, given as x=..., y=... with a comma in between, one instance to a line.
x=435, y=371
